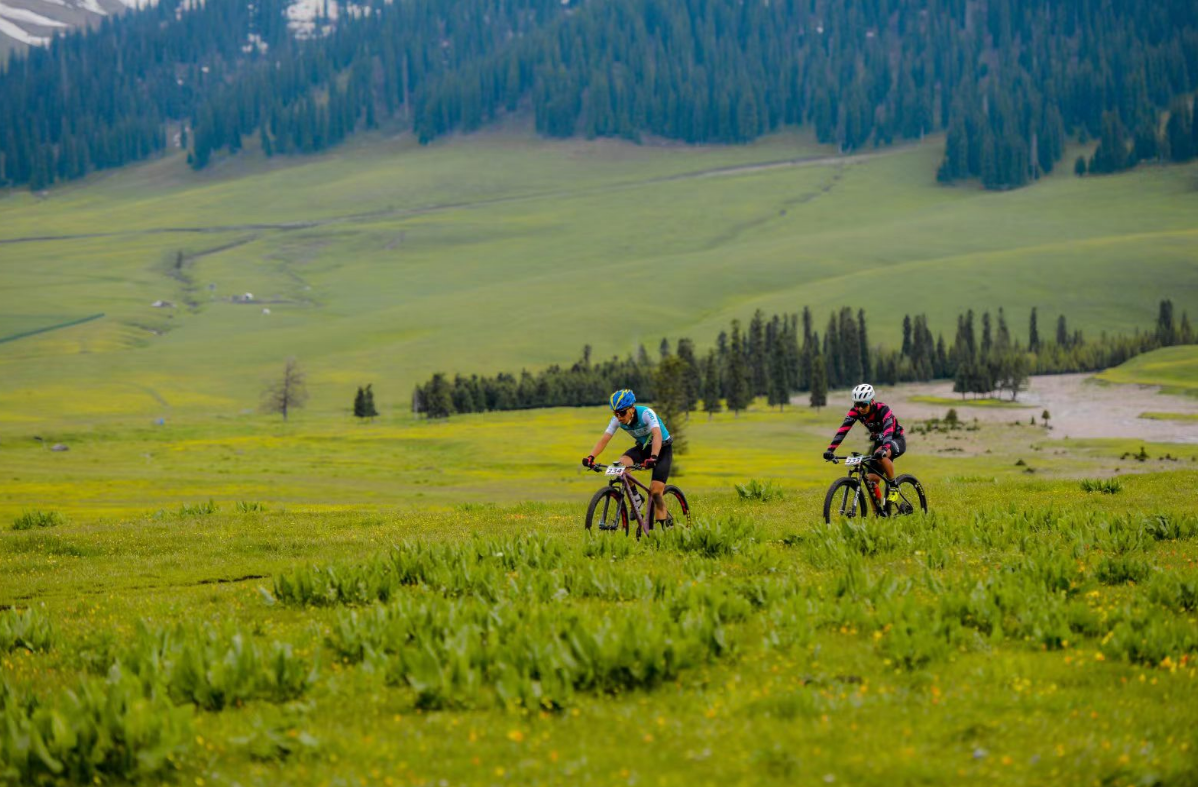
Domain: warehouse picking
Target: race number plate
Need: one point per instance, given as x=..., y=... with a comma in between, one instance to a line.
x=853, y=460
x=614, y=470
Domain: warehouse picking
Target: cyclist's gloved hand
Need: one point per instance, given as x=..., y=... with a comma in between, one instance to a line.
x=829, y=455
x=649, y=463
x=588, y=461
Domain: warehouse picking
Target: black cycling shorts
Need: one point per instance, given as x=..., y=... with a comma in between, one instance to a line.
x=661, y=471
x=898, y=446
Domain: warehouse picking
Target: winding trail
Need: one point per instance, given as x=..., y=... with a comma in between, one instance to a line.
x=368, y=216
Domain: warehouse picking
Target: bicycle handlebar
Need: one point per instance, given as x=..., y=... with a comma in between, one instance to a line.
x=599, y=468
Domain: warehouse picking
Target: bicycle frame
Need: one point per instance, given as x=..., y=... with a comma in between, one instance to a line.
x=864, y=467
x=622, y=478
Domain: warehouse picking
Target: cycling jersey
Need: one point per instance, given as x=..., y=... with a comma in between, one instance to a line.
x=641, y=426
x=881, y=423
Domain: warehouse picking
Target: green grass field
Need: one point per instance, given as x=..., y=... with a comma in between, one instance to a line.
x=383, y=262
x=1175, y=369
x=1024, y=634
x=225, y=599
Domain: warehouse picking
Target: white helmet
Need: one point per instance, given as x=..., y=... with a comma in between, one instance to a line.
x=863, y=394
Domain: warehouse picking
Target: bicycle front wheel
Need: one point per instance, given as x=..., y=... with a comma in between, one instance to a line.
x=845, y=498
x=911, y=497
x=608, y=511
x=676, y=506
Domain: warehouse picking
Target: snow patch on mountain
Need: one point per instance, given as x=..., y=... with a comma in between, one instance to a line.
x=24, y=15
x=10, y=30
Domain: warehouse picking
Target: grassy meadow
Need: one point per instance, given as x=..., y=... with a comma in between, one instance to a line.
x=196, y=593
x=383, y=262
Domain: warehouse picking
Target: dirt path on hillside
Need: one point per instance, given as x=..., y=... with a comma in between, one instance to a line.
x=1079, y=408
x=741, y=169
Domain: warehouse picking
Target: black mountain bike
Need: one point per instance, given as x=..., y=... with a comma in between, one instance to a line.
x=848, y=496
x=610, y=505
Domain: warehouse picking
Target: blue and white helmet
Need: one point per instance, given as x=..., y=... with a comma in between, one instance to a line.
x=622, y=398
x=863, y=394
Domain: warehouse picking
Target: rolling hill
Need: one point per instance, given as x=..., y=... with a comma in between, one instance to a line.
x=385, y=261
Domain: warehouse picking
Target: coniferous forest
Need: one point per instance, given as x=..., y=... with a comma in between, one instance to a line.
x=1008, y=80
x=782, y=355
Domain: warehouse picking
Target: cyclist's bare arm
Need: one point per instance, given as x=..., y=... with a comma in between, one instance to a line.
x=656, y=432
x=599, y=446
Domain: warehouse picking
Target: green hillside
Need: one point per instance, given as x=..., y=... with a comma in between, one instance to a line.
x=1174, y=368
x=385, y=261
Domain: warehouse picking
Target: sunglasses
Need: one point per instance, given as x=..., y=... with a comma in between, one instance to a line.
x=622, y=413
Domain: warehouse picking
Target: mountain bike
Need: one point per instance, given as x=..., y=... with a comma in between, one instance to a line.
x=847, y=496
x=610, y=505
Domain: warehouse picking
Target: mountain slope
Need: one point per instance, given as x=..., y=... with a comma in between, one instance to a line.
x=386, y=261
x=862, y=74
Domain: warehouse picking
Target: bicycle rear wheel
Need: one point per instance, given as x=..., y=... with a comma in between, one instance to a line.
x=676, y=505
x=911, y=497
x=845, y=498
x=608, y=511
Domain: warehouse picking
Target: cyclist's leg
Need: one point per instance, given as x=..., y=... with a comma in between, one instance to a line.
x=633, y=456
x=661, y=474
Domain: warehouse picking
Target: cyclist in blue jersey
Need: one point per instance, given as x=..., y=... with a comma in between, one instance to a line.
x=653, y=447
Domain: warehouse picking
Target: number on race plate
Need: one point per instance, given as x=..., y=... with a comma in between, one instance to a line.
x=853, y=460
x=614, y=470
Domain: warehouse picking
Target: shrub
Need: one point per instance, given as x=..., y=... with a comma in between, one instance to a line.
x=710, y=537
x=1108, y=486
x=758, y=492
x=1121, y=569
x=214, y=668
x=30, y=630
x=100, y=730
x=460, y=653
x=31, y=519
x=199, y=509
x=247, y=507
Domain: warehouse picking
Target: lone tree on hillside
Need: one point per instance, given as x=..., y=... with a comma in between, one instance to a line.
x=364, y=403
x=287, y=394
x=371, y=412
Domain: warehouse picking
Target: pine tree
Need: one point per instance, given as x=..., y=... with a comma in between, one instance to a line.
x=694, y=377
x=711, y=385
x=1166, y=333
x=779, y=392
x=736, y=375
x=1033, y=333
x=670, y=398
x=438, y=399
x=368, y=404
x=819, y=382
x=360, y=403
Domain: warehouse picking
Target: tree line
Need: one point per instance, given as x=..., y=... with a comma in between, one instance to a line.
x=1008, y=80
x=782, y=355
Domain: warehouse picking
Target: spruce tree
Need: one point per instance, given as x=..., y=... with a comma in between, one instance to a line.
x=1033, y=333
x=670, y=398
x=438, y=399
x=360, y=403
x=819, y=382
x=779, y=392
x=368, y=404
x=711, y=385
x=736, y=375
